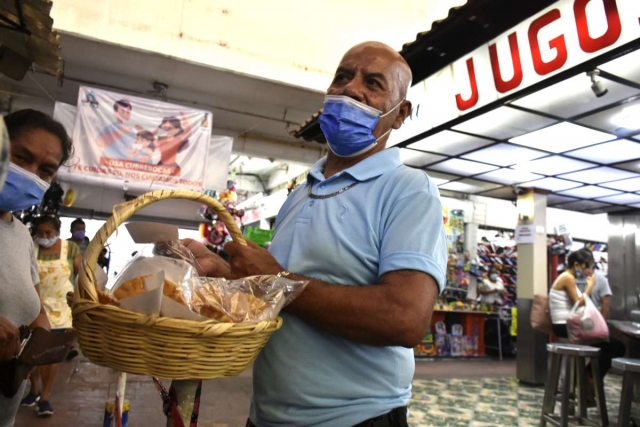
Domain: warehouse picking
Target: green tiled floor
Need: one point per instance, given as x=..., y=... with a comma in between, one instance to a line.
x=491, y=402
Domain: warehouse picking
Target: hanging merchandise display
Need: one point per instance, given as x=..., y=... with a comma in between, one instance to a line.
x=69, y=197
x=458, y=322
x=458, y=265
x=142, y=141
x=50, y=205
x=213, y=229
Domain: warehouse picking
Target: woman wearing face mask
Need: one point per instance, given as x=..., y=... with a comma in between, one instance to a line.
x=565, y=293
x=491, y=289
x=39, y=146
x=58, y=264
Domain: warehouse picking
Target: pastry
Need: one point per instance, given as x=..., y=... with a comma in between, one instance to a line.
x=208, y=301
x=171, y=290
x=130, y=288
x=245, y=307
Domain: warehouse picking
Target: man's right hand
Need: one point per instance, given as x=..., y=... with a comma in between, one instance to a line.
x=207, y=263
x=9, y=340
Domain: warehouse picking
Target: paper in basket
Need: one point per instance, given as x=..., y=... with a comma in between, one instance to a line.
x=148, y=302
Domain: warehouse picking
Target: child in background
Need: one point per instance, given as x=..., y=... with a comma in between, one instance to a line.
x=142, y=150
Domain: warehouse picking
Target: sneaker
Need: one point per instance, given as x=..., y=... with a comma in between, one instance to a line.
x=30, y=400
x=44, y=409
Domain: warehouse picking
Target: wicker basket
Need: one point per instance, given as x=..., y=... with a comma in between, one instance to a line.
x=160, y=346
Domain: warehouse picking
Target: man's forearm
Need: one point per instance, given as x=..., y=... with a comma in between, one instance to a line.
x=396, y=311
x=368, y=314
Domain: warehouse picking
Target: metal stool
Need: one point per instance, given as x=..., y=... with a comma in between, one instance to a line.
x=630, y=368
x=572, y=354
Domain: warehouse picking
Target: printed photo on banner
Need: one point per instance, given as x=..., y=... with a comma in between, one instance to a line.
x=140, y=140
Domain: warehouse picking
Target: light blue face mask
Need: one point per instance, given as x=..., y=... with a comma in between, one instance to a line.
x=348, y=125
x=22, y=189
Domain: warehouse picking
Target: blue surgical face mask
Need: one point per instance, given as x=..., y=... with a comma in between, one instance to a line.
x=348, y=125
x=22, y=189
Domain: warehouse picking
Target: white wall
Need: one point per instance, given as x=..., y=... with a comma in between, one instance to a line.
x=503, y=214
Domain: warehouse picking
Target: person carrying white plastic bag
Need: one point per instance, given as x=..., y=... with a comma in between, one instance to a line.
x=565, y=295
x=586, y=325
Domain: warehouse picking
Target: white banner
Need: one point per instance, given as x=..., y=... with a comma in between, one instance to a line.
x=220, y=148
x=145, y=142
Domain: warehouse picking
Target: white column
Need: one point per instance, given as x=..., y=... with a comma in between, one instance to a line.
x=532, y=279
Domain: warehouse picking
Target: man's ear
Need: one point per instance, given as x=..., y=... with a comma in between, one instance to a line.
x=403, y=112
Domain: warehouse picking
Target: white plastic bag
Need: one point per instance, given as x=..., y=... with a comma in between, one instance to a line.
x=586, y=325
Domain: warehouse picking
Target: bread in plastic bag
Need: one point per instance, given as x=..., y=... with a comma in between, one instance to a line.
x=162, y=280
x=251, y=299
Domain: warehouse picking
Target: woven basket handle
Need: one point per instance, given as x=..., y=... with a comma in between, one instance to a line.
x=124, y=211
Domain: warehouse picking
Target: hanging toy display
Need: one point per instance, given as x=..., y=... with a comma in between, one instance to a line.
x=292, y=186
x=69, y=197
x=213, y=230
x=50, y=205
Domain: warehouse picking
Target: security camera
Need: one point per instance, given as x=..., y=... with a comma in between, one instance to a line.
x=517, y=191
x=598, y=88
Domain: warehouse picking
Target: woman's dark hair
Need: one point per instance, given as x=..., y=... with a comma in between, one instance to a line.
x=46, y=219
x=28, y=119
x=582, y=256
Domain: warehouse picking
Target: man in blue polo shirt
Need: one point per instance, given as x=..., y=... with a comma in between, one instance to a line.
x=367, y=233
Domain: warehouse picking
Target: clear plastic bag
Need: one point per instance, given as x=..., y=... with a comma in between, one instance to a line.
x=162, y=280
x=251, y=299
x=172, y=258
x=586, y=325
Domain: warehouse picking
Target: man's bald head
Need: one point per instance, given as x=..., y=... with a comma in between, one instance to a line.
x=400, y=73
x=374, y=74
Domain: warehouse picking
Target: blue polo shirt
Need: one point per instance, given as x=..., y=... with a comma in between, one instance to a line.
x=391, y=220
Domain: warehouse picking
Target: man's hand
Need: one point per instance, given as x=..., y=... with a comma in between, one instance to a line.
x=9, y=340
x=207, y=263
x=251, y=260
x=70, y=299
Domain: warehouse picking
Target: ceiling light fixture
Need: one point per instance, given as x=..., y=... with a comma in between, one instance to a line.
x=598, y=88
